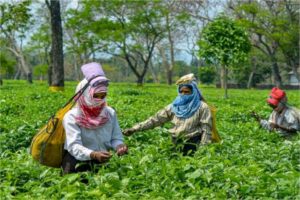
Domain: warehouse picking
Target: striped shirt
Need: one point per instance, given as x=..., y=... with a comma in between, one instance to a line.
x=288, y=118
x=198, y=124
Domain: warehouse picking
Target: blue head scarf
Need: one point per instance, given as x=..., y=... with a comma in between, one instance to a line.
x=184, y=106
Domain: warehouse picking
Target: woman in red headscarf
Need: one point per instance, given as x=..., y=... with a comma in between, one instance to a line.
x=284, y=119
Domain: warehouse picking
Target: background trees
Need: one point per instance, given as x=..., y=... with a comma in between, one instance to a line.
x=14, y=26
x=147, y=41
x=226, y=44
x=56, y=67
x=274, y=29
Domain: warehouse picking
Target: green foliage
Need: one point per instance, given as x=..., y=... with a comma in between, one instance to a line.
x=207, y=74
x=41, y=39
x=181, y=69
x=14, y=17
x=40, y=70
x=131, y=34
x=250, y=163
x=223, y=41
x=6, y=64
x=277, y=23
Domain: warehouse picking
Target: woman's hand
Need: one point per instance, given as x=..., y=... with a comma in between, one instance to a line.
x=128, y=131
x=101, y=156
x=273, y=125
x=256, y=116
x=122, y=149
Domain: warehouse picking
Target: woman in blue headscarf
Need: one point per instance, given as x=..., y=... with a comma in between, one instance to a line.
x=189, y=114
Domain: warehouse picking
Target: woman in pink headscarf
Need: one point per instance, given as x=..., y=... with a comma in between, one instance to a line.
x=91, y=127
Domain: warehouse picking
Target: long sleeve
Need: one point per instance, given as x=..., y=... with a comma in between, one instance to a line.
x=73, y=139
x=206, y=124
x=117, y=137
x=293, y=119
x=266, y=124
x=288, y=120
x=158, y=119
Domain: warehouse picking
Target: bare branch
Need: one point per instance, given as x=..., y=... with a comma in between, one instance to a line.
x=48, y=4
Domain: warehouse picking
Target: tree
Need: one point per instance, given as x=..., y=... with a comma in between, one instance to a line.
x=288, y=36
x=56, y=68
x=40, y=71
x=180, y=17
x=13, y=25
x=207, y=74
x=6, y=65
x=226, y=43
x=128, y=29
x=274, y=27
x=173, y=17
x=81, y=42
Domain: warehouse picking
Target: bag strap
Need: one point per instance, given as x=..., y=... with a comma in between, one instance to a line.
x=80, y=92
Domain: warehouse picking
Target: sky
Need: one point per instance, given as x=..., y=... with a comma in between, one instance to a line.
x=182, y=47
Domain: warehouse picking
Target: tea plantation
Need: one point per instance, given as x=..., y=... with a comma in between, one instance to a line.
x=250, y=163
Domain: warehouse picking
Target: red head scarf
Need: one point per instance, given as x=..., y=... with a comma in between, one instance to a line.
x=276, y=96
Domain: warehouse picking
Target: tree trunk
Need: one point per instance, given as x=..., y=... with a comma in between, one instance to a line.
x=18, y=73
x=50, y=68
x=222, y=77
x=21, y=63
x=154, y=75
x=250, y=80
x=294, y=66
x=169, y=76
x=57, y=76
x=140, y=80
x=275, y=71
x=29, y=77
x=26, y=69
x=165, y=64
x=224, y=80
x=172, y=63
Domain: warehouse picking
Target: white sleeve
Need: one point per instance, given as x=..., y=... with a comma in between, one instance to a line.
x=117, y=137
x=266, y=124
x=73, y=143
x=292, y=120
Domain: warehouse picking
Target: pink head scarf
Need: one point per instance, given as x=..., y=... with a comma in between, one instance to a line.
x=93, y=112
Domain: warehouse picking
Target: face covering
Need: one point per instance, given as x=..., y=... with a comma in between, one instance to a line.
x=184, y=106
x=93, y=114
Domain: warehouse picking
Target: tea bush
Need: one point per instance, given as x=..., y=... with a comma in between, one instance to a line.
x=250, y=163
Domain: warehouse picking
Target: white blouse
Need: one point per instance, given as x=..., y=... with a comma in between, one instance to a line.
x=80, y=141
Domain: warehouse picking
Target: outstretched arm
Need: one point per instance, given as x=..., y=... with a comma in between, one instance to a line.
x=158, y=119
x=263, y=123
x=255, y=116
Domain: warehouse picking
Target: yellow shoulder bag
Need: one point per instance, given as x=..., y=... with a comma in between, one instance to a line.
x=47, y=145
x=215, y=137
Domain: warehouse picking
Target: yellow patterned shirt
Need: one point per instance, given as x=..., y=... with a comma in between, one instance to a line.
x=198, y=124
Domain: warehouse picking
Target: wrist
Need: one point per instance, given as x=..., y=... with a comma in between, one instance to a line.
x=93, y=155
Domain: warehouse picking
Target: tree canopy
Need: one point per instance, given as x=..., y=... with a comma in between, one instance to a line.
x=225, y=43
